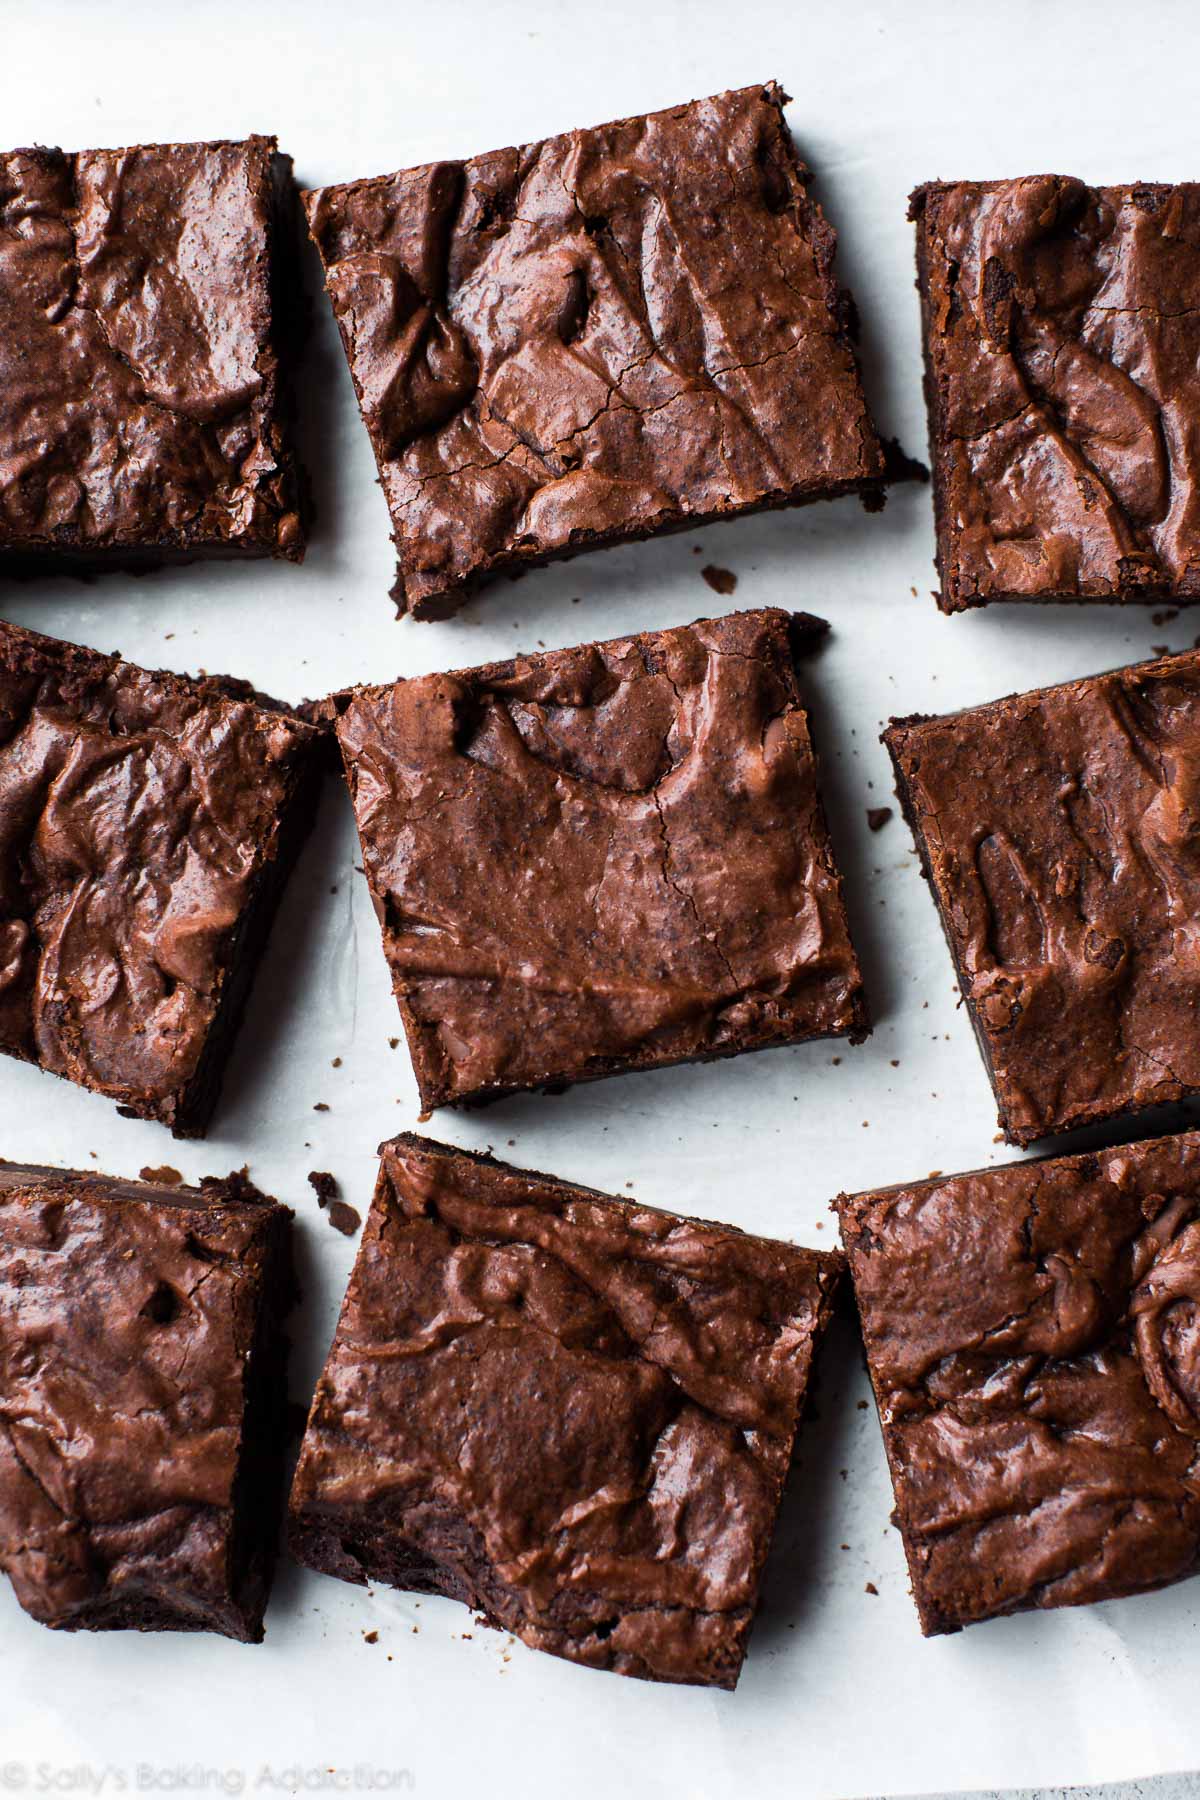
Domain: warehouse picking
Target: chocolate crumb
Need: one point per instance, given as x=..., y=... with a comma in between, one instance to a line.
x=165, y=1176
x=721, y=581
x=370, y=1637
x=324, y=1185
x=862, y=1405
x=871, y=1588
x=1161, y=649
x=878, y=816
x=337, y=1062
x=320, y=1107
x=392, y=1042
x=343, y=1218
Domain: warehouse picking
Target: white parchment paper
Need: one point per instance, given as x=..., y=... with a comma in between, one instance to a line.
x=840, y=1695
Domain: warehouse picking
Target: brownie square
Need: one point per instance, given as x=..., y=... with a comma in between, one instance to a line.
x=600, y=859
x=1033, y=1337
x=571, y=1412
x=599, y=337
x=147, y=825
x=1062, y=349
x=142, y=292
x=1057, y=831
x=142, y=1400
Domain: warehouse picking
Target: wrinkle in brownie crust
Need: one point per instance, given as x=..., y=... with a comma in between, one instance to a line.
x=1033, y=1337
x=571, y=1412
x=601, y=859
x=1062, y=346
x=599, y=336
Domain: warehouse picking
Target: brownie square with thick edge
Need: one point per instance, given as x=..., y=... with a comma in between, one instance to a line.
x=609, y=334
x=601, y=859
x=147, y=824
x=142, y=1400
x=571, y=1412
x=1033, y=1337
x=1062, y=359
x=1057, y=831
x=147, y=296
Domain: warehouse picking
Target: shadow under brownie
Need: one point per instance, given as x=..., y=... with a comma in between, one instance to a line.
x=1033, y=1337
x=142, y=1399
x=611, y=333
x=148, y=822
x=601, y=859
x=571, y=1412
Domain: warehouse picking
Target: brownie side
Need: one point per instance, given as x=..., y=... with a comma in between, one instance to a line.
x=571, y=1412
x=142, y=1383
x=141, y=414
x=147, y=824
x=595, y=338
x=602, y=859
x=1062, y=349
x=1033, y=1339
x=1054, y=830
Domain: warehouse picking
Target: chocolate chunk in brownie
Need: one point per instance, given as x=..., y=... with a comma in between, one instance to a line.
x=571, y=1412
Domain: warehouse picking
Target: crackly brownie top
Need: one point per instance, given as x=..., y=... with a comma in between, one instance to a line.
x=1060, y=830
x=137, y=810
x=127, y=1313
x=598, y=333
x=1063, y=328
x=608, y=856
x=589, y=1405
x=1033, y=1334
x=137, y=371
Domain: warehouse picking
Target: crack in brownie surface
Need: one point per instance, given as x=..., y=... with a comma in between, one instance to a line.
x=1062, y=338
x=1033, y=1336
x=572, y=1412
x=593, y=337
x=603, y=858
x=1059, y=832
x=138, y=366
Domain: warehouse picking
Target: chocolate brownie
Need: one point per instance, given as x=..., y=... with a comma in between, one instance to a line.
x=601, y=859
x=608, y=334
x=1062, y=358
x=140, y=416
x=1057, y=830
x=571, y=1412
x=1033, y=1336
x=147, y=825
x=141, y=1400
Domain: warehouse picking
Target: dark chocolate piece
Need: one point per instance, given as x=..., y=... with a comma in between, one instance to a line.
x=141, y=1400
x=606, y=335
x=1033, y=1336
x=1057, y=831
x=1062, y=357
x=602, y=859
x=147, y=825
x=140, y=414
x=571, y=1412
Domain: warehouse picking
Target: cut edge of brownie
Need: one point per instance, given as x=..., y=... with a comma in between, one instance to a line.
x=377, y=1551
x=886, y=463
x=805, y=632
x=33, y=559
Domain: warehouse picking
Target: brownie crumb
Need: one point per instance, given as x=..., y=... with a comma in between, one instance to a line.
x=392, y=1042
x=324, y=1185
x=343, y=1218
x=1161, y=649
x=337, y=1062
x=370, y=1637
x=871, y=1589
x=165, y=1176
x=862, y=1405
x=721, y=581
x=878, y=816
x=320, y=1107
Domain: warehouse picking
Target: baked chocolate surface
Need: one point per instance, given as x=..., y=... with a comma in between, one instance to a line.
x=571, y=1412
x=1062, y=356
x=602, y=859
x=1033, y=1336
x=1058, y=832
x=141, y=1400
x=139, y=382
x=605, y=335
x=147, y=824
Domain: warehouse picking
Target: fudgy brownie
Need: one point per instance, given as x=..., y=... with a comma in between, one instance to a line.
x=140, y=414
x=1057, y=830
x=602, y=336
x=147, y=825
x=1062, y=357
x=571, y=1412
x=602, y=859
x=1033, y=1336
x=142, y=1400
